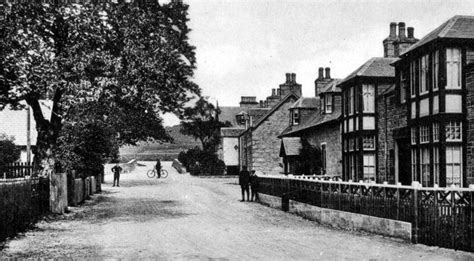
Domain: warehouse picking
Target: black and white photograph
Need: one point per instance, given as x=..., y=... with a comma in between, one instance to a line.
x=237, y=130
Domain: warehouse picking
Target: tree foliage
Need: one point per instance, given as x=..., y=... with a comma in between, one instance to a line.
x=202, y=122
x=129, y=61
x=8, y=151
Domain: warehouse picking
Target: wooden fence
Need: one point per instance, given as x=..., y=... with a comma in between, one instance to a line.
x=16, y=170
x=439, y=216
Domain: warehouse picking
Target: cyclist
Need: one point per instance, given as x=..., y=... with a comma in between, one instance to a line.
x=158, y=168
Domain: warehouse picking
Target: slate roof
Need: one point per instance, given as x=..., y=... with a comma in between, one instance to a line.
x=228, y=114
x=375, y=67
x=458, y=27
x=317, y=120
x=306, y=102
x=290, y=146
x=332, y=86
x=13, y=123
x=231, y=132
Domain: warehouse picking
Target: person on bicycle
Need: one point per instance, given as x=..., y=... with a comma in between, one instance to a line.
x=158, y=168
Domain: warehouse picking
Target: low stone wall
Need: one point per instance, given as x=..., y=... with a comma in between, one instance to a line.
x=343, y=220
x=178, y=166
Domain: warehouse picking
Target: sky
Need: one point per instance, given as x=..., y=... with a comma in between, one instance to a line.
x=245, y=47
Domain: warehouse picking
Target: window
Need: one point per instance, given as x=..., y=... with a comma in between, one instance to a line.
x=424, y=134
x=435, y=70
x=328, y=103
x=435, y=104
x=323, y=157
x=412, y=79
x=435, y=131
x=403, y=87
x=454, y=131
x=296, y=116
x=369, y=143
x=425, y=167
x=453, y=165
x=368, y=123
x=453, y=68
x=351, y=144
x=423, y=74
x=436, y=165
x=368, y=94
x=351, y=100
x=424, y=107
x=369, y=166
x=453, y=103
x=413, y=135
x=351, y=124
x=413, y=110
x=413, y=164
x=353, y=166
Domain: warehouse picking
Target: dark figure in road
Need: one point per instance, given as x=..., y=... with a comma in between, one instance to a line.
x=158, y=168
x=116, y=170
x=254, y=186
x=244, y=179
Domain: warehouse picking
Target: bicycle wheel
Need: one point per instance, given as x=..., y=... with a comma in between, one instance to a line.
x=151, y=173
x=164, y=173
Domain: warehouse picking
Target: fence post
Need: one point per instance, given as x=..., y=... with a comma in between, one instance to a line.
x=471, y=204
x=414, y=236
x=285, y=199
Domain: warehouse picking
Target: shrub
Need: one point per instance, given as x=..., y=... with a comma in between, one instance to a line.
x=199, y=162
x=8, y=151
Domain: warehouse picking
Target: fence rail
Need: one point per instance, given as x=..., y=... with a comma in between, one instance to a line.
x=16, y=170
x=439, y=216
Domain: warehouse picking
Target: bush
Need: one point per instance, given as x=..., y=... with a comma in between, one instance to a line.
x=199, y=162
x=9, y=153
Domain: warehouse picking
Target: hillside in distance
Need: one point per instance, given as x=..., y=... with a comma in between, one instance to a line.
x=151, y=150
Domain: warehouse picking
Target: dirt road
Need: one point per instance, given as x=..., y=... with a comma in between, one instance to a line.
x=184, y=217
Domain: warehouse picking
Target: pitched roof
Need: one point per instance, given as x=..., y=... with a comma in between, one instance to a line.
x=14, y=123
x=291, y=146
x=375, y=67
x=231, y=132
x=228, y=114
x=275, y=108
x=458, y=27
x=316, y=120
x=332, y=86
x=306, y=102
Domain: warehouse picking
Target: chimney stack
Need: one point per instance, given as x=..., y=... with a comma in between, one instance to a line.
x=328, y=73
x=321, y=72
x=293, y=77
x=401, y=30
x=393, y=30
x=274, y=92
x=288, y=77
x=411, y=32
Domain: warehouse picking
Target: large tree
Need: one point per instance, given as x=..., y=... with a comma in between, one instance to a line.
x=202, y=122
x=131, y=60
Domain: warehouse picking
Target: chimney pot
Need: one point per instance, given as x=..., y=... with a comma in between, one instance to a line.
x=401, y=30
x=393, y=30
x=273, y=92
x=293, y=77
x=411, y=32
x=278, y=92
x=321, y=72
x=288, y=77
x=328, y=73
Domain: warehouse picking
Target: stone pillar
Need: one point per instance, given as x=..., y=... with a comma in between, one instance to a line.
x=470, y=125
x=58, y=193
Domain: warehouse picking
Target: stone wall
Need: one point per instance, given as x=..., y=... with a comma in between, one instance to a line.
x=265, y=142
x=391, y=115
x=331, y=135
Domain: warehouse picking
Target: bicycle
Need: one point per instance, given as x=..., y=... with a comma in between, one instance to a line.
x=152, y=173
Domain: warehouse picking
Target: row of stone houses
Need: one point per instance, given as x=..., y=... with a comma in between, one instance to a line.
x=407, y=116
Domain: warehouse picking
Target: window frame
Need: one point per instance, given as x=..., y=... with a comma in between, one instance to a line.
x=450, y=163
x=328, y=103
x=453, y=60
x=295, y=115
x=453, y=129
x=368, y=98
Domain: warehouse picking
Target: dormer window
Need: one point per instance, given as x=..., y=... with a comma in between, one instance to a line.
x=241, y=118
x=296, y=117
x=328, y=103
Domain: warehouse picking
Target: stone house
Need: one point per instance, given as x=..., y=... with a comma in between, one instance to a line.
x=311, y=144
x=240, y=143
x=365, y=113
x=435, y=82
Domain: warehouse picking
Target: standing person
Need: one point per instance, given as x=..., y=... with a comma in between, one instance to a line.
x=244, y=179
x=158, y=168
x=116, y=170
x=254, y=186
